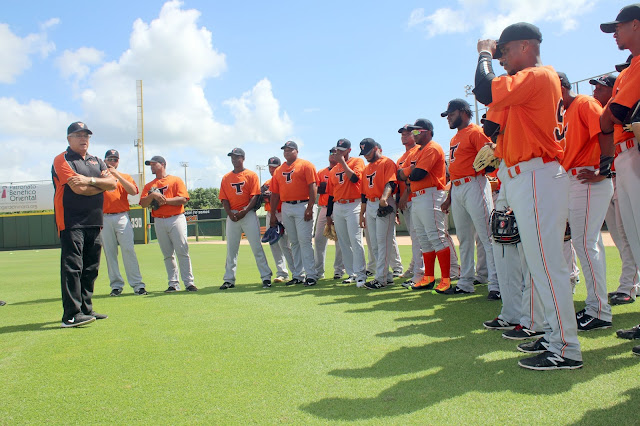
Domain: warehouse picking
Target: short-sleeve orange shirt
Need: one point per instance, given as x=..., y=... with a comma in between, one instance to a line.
x=626, y=92
x=239, y=188
x=342, y=188
x=376, y=175
x=170, y=187
x=429, y=157
x=292, y=181
x=117, y=201
x=464, y=147
x=582, y=124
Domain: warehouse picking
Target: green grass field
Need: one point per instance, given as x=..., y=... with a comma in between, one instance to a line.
x=331, y=353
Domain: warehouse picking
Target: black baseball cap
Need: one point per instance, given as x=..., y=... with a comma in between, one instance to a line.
x=604, y=80
x=236, y=151
x=627, y=14
x=456, y=105
x=333, y=150
x=621, y=67
x=404, y=128
x=78, y=126
x=366, y=145
x=421, y=123
x=564, y=80
x=343, y=144
x=155, y=159
x=518, y=31
x=112, y=153
x=290, y=144
x=274, y=161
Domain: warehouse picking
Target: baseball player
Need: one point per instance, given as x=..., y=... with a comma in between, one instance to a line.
x=426, y=179
x=470, y=195
x=626, y=93
x=589, y=198
x=239, y=191
x=167, y=195
x=343, y=209
x=535, y=184
x=294, y=183
x=79, y=180
x=281, y=250
x=377, y=212
x=319, y=240
x=117, y=230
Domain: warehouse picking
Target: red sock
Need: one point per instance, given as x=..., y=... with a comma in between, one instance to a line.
x=444, y=259
x=429, y=263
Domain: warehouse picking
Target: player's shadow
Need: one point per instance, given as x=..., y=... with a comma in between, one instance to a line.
x=626, y=406
x=37, y=326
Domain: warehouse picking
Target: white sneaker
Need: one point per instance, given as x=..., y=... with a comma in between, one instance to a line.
x=279, y=280
x=360, y=283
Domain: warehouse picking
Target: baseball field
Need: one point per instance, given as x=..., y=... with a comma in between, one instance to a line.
x=326, y=354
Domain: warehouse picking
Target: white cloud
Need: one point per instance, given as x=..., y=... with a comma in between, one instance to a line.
x=492, y=18
x=16, y=51
x=75, y=64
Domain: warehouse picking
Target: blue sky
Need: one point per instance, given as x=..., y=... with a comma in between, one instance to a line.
x=220, y=74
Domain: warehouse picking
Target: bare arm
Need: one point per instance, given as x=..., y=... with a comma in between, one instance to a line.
x=128, y=186
x=313, y=193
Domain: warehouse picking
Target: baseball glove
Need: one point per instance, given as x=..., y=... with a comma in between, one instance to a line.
x=273, y=234
x=485, y=158
x=154, y=203
x=567, y=232
x=504, y=227
x=632, y=122
x=258, y=203
x=384, y=211
x=330, y=232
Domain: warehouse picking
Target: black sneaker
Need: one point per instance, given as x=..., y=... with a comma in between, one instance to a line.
x=580, y=314
x=2, y=303
x=521, y=333
x=116, y=292
x=620, y=299
x=171, y=290
x=494, y=295
x=587, y=323
x=97, y=315
x=535, y=347
x=337, y=276
x=266, y=284
x=192, y=288
x=293, y=282
x=141, y=291
x=397, y=274
x=630, y=333
x=310, y=282
x=77, y=320
x=499, y=324
x=369, y=273
x=454, y=290
x=635, y=350
x=549, y=361
x=227, y=285
x=373, y=285
x=408, y=284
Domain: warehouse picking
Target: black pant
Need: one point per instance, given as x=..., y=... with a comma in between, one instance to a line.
x=79, y=262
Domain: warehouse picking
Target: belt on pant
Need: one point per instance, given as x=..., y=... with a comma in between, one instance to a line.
x=167, y=217
x=515, y=170
x=574, y=171
x=345, y=201
x=373, y=200
x=460, y=181
x=296, y=201
x=107, y=214
x=626, y=145
x=422, y=191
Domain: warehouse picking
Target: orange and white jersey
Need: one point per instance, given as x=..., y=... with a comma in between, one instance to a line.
x=341, y=187
x=626, y=92
x=429, y=157
x=406, y=156
x=323, y=176
x=292, y=181
x=464, y=147
x=376, y=175
x=117, y=201
x=170, y=187
x=582, y=124
x=239, y=188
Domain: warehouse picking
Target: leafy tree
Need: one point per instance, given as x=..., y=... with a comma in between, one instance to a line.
x=204, y=198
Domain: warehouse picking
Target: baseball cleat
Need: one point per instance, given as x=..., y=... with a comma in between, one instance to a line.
x=588, y=323
x=445, y=284
x=369, y=273
x=227, y=285
x=97, y=315
x=498, y=324
x=2, y=303
x=141, y=291
x=408, y=284
x=635, y=350
x=360, y=283
x=521, y=333
x=349, y=281
x=494, y=295
x=549, y=361
x=77, y=320
x=293, y=282
x=535, y=347
x=397, y=274
x=424, y=285
x=280, y=279
x=454, y=290
x=266, y=284
x=192, y=288
x=407, y=274
x=310, y=282
x=373, y=285
x=580, y=314
x=115, y=292
x=337, y=276
x=620, y=299
x=171, y=290
x=630, y=333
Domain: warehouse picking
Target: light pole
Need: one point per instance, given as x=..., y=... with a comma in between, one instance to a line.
x=468, y=92
x=185, y=164
x=260, y=168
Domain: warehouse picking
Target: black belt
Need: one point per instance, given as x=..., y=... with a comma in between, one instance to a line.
x=296, y=201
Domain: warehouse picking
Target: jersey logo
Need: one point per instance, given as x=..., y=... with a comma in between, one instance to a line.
x=370, y=178
x=287, y=175
x=163, y=189
x=414, y=162
x=238, y=187
x=452, y=156
x=340, y=176
x=560, y=129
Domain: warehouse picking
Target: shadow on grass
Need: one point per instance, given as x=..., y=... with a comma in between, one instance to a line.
x=38, y=326
x=604, y=416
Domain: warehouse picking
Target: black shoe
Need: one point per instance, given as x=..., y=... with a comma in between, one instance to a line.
x=397, y=274
x=337, y=276
x=429, y=286
x=141, y=291
x=373, y=285
x=293, y=282
x=494, y=295
x=369, y=273
x=2, y=303
x=408, y=284
x=171, y=290
x=77, y=320
x=192, y=288
x=580, y=314
x=266, y=284
x=549, y=361
x=454, y=290
x=499, y=324
x=310, y=282
x=536, y=347
x=587, y=323
x=521, y=333
x=630, y=333
x=227, y=285
x=478, y=282
x=116, y=292
x=97, y=315
x=620, y=299
x=635, y=350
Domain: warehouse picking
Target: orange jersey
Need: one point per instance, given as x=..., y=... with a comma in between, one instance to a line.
x=534, y=124
x=267, y=199
x=406, y=156
x=323, y=176
x=463, y=149
x=116, y=201
x=170, y=187
x=582, y=127
x=340, y=187
x=626, y=92
x=430, y=157
x=292, y=181
x=239, y=188
x=376, y=175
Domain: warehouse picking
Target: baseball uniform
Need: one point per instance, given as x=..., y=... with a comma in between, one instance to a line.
x=238, y=189
x=281, y=250
x=319, y=240
x=171, y=230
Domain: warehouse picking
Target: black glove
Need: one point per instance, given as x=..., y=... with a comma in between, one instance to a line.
x=384, y=211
